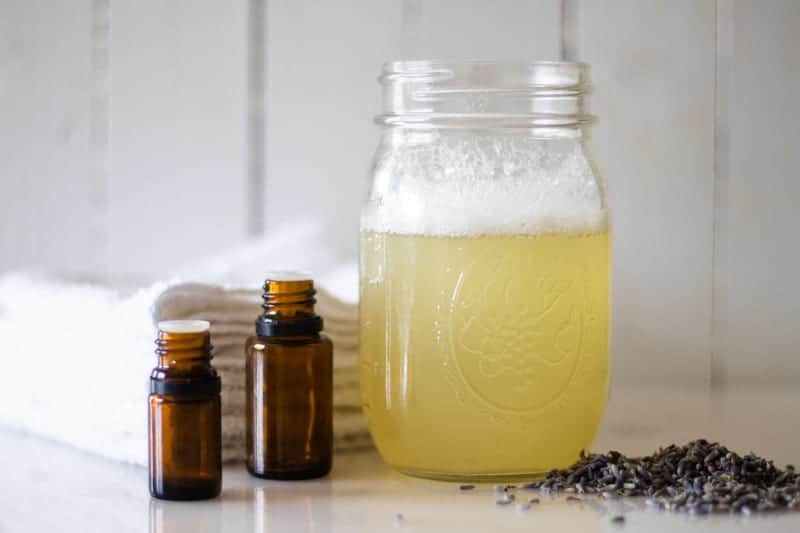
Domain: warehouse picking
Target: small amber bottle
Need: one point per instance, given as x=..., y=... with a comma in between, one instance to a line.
x=289, y=373
x=185, y=430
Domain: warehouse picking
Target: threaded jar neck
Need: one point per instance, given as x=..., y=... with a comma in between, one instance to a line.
x=484, y=94
x=288, y=305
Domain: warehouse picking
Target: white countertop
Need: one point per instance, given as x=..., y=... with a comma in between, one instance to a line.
x=45, y=486
x=48, y=487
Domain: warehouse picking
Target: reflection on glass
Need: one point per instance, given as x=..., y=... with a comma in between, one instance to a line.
x=184, y=517
x=258, y=506
x=292, y=508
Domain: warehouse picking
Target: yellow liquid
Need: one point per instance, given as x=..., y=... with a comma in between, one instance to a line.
x=484, y=357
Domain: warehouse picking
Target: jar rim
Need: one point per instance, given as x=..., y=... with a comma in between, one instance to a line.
x=400, y=65
x=442, y=93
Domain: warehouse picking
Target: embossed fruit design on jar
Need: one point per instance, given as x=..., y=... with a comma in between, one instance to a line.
x=484, y=272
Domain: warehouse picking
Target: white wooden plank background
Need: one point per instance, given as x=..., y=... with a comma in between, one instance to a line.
x=132, y=148
x=757, y=307
x=46, y=196
x=323, y=59
x=178, y=147
x=652, y=68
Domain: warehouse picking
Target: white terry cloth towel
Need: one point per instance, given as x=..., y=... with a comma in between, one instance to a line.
x=76, y=356
x=76, y=359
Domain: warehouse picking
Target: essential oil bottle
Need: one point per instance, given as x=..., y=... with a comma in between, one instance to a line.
x=289, y=384
x=185, y=452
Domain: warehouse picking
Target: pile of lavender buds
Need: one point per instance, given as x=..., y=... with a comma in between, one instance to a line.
x=700, y=477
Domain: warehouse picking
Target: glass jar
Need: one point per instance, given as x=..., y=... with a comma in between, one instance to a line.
x=484, y=290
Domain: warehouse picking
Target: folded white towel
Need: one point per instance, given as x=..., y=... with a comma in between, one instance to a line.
x=76, y=356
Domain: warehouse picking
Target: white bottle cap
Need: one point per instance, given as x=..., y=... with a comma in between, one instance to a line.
x=184, y=326
x=288, y=275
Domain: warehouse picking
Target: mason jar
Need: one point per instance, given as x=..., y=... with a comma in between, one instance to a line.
x=484, y=272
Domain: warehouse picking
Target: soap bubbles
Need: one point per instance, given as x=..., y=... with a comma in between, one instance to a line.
x=457, y=183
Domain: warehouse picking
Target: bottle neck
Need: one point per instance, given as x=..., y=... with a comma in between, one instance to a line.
x=288, y=299
x=183, y=350
x=288, y=309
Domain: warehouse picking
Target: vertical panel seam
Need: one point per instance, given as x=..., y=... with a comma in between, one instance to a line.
x=722, y=51
x=256, y=119
x=569, y=31
x=100, y=134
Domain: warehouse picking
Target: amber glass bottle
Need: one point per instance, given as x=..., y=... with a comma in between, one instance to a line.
x=185, y=434
x=289, y=384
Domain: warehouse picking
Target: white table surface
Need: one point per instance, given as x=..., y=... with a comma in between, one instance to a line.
x=45, y=486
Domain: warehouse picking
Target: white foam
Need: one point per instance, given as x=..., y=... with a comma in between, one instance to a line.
x=473, y=185
x=184, y=326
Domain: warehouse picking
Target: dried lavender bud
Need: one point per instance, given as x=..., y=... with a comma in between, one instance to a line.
x=700, y=477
